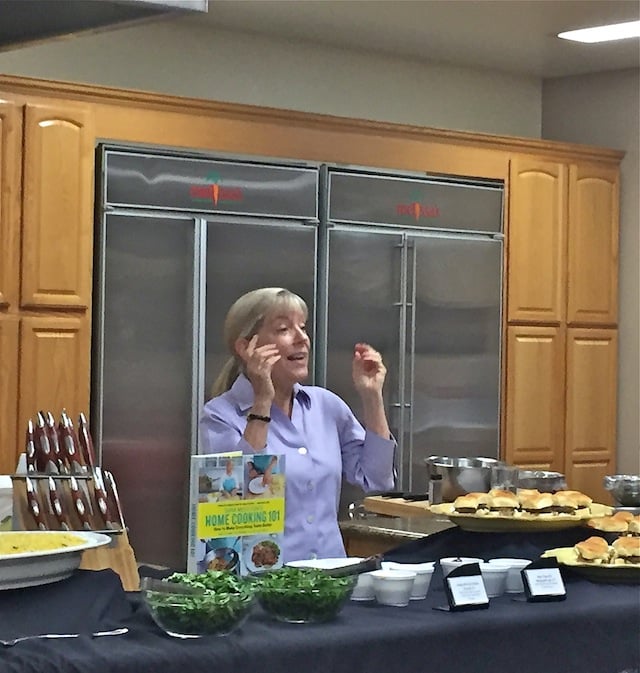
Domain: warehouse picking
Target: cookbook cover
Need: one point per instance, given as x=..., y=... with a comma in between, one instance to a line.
x=236, y=508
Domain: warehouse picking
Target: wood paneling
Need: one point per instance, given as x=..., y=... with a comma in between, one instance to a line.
x=54, y=366
x=591, y=408
x=57, y=206
x=9, y=339
x=537, y=240
x=535, y=397
x=10, y=192
x=593, y=245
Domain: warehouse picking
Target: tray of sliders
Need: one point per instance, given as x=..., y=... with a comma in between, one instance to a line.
x=620, y=522
x=526, y=510
x=599, y=561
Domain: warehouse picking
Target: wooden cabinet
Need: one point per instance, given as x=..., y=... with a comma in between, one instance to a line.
x=54, y=365
x=46, y=254
x=57, y=202
x=562, y=243
x=590, y=408
x=10, y=175
x=536, y=240
x=534, y=418
x=592, y=257
x=9, y=340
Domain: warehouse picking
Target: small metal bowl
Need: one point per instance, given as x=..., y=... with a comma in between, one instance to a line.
x=544, y=481
x=461, y=475
x=625, y=489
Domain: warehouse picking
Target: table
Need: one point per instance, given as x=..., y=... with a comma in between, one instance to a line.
x=596, y=630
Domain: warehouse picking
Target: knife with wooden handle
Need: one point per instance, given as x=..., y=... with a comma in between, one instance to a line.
x=54, y=441
x=102, y=500
x=33, y=502
x=56, y=506
x=70, y=446
x=86, y=443
x=30, y=448
x=44, y=454
x=80, y=503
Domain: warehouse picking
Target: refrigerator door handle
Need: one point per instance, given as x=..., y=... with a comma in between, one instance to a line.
x=412, y=357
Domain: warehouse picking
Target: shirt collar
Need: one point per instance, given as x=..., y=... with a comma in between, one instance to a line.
x=242, y=392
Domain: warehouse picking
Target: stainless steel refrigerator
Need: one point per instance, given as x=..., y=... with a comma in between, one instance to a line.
x=414, y=267
x=410, y=264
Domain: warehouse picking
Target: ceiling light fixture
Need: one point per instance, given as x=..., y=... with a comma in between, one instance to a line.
x=615, y=31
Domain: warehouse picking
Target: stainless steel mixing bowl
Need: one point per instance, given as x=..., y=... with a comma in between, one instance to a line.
x=625, y=488
x=544, y=481
x=461, y=475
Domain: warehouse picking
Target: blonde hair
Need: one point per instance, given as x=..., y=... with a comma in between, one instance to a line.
x=244, y=319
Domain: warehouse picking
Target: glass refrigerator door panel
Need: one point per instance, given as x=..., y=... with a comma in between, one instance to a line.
x=147, y=379
x=363, y=305
x=456, y=361
x=245, y=257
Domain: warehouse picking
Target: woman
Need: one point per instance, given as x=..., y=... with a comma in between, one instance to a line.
x=259, y=406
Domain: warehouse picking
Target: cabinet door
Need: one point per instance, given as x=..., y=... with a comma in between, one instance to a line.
x=10, y=176
x=535, y=397
x=536, y=240
x=57, y=202
x=9, y=439
x=54, y=366
x=590, y=435
x=593, y=245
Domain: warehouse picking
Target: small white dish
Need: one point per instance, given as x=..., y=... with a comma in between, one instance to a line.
x=256, y=486
x=424, y=573
x=494, y=577
x=514, y=578
x=393, y=587
x=451, y=562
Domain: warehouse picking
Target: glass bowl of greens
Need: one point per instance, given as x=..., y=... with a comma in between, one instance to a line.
x=189, y=605
x=302, y=595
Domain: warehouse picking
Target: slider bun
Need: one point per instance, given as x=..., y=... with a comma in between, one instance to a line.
x=608, y=524
x=634, y=525
x=623, y=516
x=470, y=500
x=593, y=548
x=627, y=546
x=524, y=492
x=581, y=499
x=541, y=501
x=566, y=499
x=499, y=498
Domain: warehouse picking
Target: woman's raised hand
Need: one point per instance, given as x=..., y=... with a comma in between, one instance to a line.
x=259, y=361
x=368, y=370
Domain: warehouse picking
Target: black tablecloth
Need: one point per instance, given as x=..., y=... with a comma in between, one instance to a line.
x=595, y=630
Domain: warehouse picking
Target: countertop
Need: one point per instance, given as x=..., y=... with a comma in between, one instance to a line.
x=396, y=528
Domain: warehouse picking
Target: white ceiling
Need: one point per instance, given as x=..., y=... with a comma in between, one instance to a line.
x=516, y=36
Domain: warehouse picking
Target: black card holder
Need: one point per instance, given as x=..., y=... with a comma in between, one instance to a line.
x=552, y=589
x=470, y=570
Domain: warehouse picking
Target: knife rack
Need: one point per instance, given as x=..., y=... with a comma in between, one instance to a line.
x=118, y=555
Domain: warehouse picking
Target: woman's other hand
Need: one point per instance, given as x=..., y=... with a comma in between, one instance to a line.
x=368, y=370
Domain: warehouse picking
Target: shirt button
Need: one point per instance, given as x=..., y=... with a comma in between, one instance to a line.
x=310, y=486
x=310, y=519
x=302, y=450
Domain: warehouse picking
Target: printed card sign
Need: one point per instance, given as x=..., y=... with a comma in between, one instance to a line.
x=543, y=582
x=237, y=511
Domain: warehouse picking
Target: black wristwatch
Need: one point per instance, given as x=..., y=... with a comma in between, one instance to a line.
x=258, y=417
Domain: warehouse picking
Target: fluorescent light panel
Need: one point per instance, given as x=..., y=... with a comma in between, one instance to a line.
x=616, y=31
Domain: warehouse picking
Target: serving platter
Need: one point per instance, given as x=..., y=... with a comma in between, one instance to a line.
x=44, y=567
x=606, y=573
x=519, y=523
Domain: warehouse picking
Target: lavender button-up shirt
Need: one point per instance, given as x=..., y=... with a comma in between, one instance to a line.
x=322, y=441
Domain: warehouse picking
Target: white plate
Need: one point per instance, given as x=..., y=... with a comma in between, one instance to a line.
x=248, y=554
x=256, y=486
x=43, y=567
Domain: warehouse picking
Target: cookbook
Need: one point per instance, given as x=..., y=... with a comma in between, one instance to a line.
x=236, y=512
